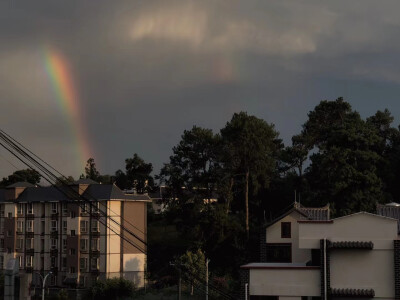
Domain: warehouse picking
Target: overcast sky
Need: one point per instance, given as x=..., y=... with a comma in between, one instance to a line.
x=146, y=70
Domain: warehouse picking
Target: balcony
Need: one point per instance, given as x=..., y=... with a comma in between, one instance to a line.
x=28, y=269
x=30, y=216
x=95, y=253
x=53, y=252
x=30, y=251
x=95, y=272
x=95, y=233
x=54, y=216
x=54, y=234
x=29, y=234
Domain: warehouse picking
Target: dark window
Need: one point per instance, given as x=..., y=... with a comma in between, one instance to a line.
x=286, y=230
x=279, y=253
x=72, y=232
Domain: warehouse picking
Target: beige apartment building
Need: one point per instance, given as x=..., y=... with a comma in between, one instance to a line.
x=46, y=230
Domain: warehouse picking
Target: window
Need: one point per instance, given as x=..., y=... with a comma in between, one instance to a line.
x=29, y=208
x=19, y=244
x=54, y=225
x=286, y=231
x=65, y=226
x=53, y=243
x=72, y=270
x=10, y=214
x=279, y=253
x=20, y=262
x=95, y=263
x=65, y=208
x=42, y=244
x=2, y=244
x=95, y=226
x=83, y=263
x=72, y=232
x=54, y=207
x=43, y=225
x=64, y=262
x=84, y=208
x=20, y=226
x=9, y=233
x=53, y=262
x=53, y=280
x=29, y=225
x=84, y=226
x=20, y=209
x=1, y=262
x=29, y=261
x=64, y=245
x=1, y=210
x=82, y=280
x=84, y=244
x=2, y=226
x=95, y=244
x=72, y=251
x=95, y=207
x=29, y=244
x=43, y=209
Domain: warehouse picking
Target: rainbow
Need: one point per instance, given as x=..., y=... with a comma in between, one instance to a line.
x=60, y=76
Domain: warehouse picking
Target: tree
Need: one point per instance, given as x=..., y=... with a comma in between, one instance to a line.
x=193, y=266
x=344, y=160
x=138, y=174
x=121, y=180
x=251, y=148
x=193, y=166
x=91, y=171
x=27, y=175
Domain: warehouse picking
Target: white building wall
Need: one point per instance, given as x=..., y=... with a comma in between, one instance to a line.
x=274, y=236
x=364, y=269
x=285, y=282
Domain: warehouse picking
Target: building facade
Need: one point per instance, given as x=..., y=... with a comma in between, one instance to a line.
x=79, y=242
x=356, y=256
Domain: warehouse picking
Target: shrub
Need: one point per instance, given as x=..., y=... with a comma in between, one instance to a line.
x=112, y=289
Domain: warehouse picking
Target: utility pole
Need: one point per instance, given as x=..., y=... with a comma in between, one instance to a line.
x=207, y=261
x=179, y=280
x=44, y=282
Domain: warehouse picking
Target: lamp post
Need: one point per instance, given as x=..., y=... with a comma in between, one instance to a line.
x=44, y=281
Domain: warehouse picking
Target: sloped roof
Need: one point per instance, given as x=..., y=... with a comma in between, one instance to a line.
x=40, y=194
x=20, y=184
x=85, y=181
x=110, y=192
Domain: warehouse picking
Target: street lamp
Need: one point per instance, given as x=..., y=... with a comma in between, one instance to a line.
x=44, y=281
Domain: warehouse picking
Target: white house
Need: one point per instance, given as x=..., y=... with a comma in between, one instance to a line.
x=355, y=256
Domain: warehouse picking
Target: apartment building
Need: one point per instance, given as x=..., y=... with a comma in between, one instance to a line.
x=45, y=229
x=355, y=256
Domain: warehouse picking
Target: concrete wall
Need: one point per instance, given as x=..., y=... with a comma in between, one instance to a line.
x=285, y=282
x=274, y=236
x=358, y=227
x=363, y=269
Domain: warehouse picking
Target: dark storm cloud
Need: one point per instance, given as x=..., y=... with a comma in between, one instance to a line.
x=147, y=70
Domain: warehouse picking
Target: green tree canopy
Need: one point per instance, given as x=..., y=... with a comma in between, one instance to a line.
x=27, y=175
x=138, y=174
x=91, y=170
x=250, y=147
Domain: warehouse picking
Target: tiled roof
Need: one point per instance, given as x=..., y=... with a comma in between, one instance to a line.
x=85, y=181
x=20, y=184
x=314, y=213
x=39, y=194
x=65, y=193
x=359, y=293
x=351, y=245
x=390, y=210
